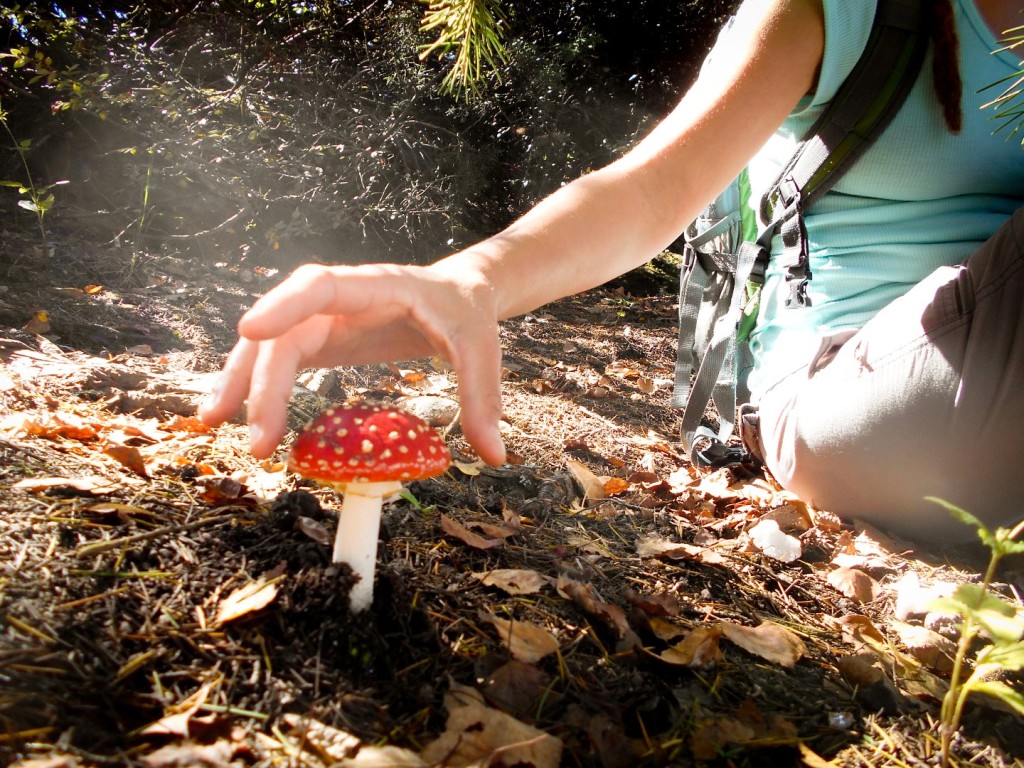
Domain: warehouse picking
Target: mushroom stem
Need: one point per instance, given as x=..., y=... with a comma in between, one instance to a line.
x=356, y=540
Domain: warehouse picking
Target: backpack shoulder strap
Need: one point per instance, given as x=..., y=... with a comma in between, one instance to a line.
x=862, y=108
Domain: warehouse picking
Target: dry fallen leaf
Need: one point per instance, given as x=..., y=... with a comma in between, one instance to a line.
x=471, y=469
x=344, y=749
x=612, y=615
x=518, y=688
x=592, y=485
x=314, y=530
x=50, y=425
x=615, y=485
x=185, y=424
x=698, y=650
x=515, y=581
x=855, y=584
x=463, y=534
x=94, y=486
x=189, y=754
x=930, y=648
x=768, y=640
x=249, y=598
x=128, y=457
x=749, y=726
x=476, y=735
x=525, y=641
x=38, y=323
x=792, y=518
x=871, y=685
x=177, y=718
x=859, y=630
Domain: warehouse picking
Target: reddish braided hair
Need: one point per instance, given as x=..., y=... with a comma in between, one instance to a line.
x=946, y=62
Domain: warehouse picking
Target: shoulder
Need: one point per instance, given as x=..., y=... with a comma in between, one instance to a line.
x=847, y=28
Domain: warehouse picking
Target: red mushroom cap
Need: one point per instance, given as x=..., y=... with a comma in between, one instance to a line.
x=366, y=442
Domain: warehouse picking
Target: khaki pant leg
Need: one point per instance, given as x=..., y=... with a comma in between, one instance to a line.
x=926, y=400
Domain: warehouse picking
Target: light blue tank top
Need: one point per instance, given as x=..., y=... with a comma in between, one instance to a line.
x=919, y=198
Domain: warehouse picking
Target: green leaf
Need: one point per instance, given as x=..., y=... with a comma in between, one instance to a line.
x=11, y=184
x=1009, y=658
x=976, y=597
x=1000, y=628
x=964, y=517
x=1001, y=691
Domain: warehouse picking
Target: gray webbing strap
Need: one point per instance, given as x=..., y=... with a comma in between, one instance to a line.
x=860, y=111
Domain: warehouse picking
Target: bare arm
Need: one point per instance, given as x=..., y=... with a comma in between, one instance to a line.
x=586, y=233
x=619, y=217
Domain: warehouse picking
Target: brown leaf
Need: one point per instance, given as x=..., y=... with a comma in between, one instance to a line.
x=855, y=584
x=124, y=512
x=186, y=424
x=656, y=546
x=791, y=518
x=615, y=485
x=750, y=727
x=38, y=323
x=930, y=648
x=463, y=534
x=592, y=485
x=661, y=604
x=327, y=740
x=768, y=640
x=525, y=641
x=711, y=738
x=344, y=749
x=664, y=630
x=859, y=629
x=254, y=596
x=175, y=721
x=189, y=754
x=93, y=486
x=129, y=458
x=515, y=581
x=51, y=425
x=476, y=735
x=220, y=489
x=518, y=687
x=612, y=615
x=314, y=530
x=698, y=650
x=872, y=686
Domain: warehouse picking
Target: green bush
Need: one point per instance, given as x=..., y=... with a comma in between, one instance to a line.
x=284, y=131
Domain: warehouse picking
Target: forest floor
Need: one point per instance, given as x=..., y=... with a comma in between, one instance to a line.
x=166, y=600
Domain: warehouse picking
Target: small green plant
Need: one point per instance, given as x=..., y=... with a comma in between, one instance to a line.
x=37, y=198
x=986, y=618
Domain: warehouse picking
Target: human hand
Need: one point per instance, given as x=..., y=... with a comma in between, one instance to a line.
x=325, y=316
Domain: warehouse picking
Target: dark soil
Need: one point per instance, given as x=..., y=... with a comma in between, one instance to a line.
x=112, y=574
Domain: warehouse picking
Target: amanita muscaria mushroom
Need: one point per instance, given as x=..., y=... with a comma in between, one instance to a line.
x=365, y=450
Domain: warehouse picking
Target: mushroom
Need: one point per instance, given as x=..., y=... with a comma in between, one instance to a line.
x=365, y=450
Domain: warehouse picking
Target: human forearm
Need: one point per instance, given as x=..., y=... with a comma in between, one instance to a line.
x=619, y=217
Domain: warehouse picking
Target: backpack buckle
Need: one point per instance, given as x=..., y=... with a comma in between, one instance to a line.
x=717, y=454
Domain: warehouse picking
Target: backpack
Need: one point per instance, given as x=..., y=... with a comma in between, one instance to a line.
x=728, y=246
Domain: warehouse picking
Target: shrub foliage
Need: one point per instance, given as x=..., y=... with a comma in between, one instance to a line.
x=280, y=130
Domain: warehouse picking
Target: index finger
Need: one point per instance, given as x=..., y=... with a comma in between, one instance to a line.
x=314, y=289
